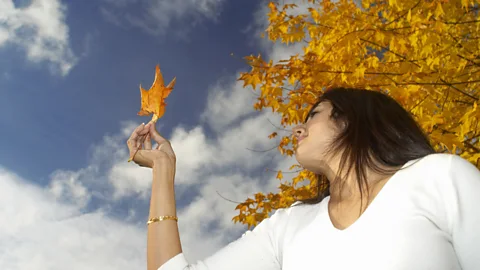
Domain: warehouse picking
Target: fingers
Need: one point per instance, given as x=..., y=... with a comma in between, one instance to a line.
x=148, y=142
x=142, y=136
x=132, y=142
x=154, y=133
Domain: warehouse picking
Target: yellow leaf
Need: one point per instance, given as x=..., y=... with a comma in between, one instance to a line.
x=272, y=6
x=273, y=135
x=283, y=28
x=153, y=100
x=250, y=220
x=359, y=72
x=439, y=10
x=315, y=15
x=379, y=36
x=279, y=175
x=293, y=166
x=251, y=79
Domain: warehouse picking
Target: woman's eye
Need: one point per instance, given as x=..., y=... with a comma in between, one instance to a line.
x=335, y=115
x=312, y=114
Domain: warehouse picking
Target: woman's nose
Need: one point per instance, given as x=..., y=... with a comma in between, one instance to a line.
x=299, y=131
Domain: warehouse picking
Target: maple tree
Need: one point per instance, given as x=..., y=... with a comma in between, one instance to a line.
x=423, y=53
x=153, y=100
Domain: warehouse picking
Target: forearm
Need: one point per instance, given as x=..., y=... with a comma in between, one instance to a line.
x=163, y=240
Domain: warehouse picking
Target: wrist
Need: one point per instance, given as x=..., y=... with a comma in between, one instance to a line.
x=163, y=169
x=163, y=164
x=163, y=160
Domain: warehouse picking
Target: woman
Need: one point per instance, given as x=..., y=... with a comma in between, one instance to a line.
x=392, y=202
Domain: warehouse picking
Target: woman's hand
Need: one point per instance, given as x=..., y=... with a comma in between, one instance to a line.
x=146, y=156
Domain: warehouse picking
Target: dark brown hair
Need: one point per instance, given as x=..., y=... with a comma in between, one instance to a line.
x=379, y=133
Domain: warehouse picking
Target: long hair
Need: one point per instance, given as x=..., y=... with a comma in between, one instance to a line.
x=378, y=133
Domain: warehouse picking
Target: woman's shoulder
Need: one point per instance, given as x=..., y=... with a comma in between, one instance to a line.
x=438, y=161
x=301, y=213
x=288, y=218
x=300, y=208
x=428, y=159
x=297, y=212
x=442, y=170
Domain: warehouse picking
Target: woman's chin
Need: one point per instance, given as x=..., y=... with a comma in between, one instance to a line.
x=311, y=164
x=303, y=160
x=301, y=153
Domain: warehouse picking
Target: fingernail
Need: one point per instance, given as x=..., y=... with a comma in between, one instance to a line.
x=143, y=124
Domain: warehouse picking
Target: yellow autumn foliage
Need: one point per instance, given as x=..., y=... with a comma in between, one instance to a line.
x=424, y=53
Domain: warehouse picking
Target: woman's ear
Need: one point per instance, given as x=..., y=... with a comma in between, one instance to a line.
x=343, y=124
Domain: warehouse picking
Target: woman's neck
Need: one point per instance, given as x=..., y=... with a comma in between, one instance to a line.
x=346, y=189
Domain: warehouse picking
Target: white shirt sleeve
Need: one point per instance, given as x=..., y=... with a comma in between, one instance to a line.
x=464, y=211
x=258, y=249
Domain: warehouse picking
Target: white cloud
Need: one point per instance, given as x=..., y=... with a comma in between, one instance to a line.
x=227, y=101
x=129, y=179
x=24, y=204
x=4, y=35
x=65, y=186
x=38, y=232
x=241, y=146
x=40, y=29
x=156, y=16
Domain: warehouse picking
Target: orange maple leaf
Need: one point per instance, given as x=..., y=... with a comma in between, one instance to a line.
x=153, y=100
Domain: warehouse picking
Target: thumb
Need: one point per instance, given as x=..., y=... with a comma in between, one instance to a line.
x=154, y=133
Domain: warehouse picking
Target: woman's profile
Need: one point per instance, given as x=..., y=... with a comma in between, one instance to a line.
x=392, y=202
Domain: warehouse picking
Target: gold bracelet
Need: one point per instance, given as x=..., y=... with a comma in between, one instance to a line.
x=160, y=218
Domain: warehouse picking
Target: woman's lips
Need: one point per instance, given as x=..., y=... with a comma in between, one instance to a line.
x=300, y=139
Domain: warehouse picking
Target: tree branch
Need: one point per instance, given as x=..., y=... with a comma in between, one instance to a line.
x=464, y=22
x=387, y=49
x=400, y=61
x=262, y=151
x=279, y=128
x=469, y=60
x=445, y=100
x=471, y=146
x=368, y=73
x=404, y=14
x=463, y=102
x=430, y=83
x=226, y=198
x=418, y=103
x=458, y=90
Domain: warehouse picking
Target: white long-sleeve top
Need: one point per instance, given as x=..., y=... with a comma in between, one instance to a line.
x=427, y=216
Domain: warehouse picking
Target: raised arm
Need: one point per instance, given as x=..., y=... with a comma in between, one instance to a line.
x=256, y=250
x=163, y=240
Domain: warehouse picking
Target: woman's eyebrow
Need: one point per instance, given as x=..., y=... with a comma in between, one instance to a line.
x=309, y=115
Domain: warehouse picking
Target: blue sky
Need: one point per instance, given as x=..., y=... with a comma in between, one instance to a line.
x=69, y=77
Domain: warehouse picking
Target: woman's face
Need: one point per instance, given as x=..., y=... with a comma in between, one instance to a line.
x=314, y=137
